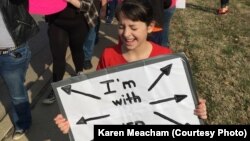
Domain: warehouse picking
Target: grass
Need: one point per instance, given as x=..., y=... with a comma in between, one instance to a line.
x=218, y=48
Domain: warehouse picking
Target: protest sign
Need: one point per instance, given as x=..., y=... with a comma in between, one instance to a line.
x=153, y=91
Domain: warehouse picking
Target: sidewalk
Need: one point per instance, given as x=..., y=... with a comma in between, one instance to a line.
x=38, y=84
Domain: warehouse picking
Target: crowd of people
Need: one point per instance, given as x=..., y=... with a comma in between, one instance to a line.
x=143, y=29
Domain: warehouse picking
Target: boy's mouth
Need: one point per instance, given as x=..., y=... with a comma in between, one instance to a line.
x=129, y=41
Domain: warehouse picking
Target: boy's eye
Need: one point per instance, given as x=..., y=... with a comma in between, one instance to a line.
x=134, y=28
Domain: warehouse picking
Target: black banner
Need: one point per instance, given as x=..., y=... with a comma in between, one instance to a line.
x=171, y=132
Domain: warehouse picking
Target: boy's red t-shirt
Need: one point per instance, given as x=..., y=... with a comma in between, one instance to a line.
x=112, y=56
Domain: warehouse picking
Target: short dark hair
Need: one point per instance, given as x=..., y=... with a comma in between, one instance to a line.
x=136, y=10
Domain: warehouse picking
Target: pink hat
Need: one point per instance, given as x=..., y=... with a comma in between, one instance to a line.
x=46, y=7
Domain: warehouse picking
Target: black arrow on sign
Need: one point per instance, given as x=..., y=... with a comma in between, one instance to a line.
x=169, y=119
x=165, y=70
x=177, y=99
x=67, y=89
x=84, y=121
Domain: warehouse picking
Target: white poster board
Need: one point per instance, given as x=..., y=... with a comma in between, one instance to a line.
x=154, y=91
x=181, y=4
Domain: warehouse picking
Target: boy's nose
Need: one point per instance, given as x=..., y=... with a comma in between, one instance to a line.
x=126, y=33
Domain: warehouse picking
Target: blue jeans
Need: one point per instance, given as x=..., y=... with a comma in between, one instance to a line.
x=111, y=10
x=13, y=70
x=89, y=44
x=168, y=14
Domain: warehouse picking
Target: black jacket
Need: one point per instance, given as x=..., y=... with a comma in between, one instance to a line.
x=18, y=21
x=158, y=11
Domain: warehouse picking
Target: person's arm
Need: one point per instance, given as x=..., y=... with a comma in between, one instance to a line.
x=83, y=5
x=201, y=110
x=62, y=123
x=76, y=3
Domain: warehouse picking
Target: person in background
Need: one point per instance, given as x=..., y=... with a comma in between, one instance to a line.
x=223, y=7
x=135, y=21
x=169, y=9
x=91, y=40
x=158, y=19
x=163, y=12
x=69, y=28
x=16, y=27
x=111, y=10
x=88, y=47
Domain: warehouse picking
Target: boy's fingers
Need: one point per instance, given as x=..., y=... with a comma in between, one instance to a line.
x=59, y=116
x=64, y=127
x=202, y=101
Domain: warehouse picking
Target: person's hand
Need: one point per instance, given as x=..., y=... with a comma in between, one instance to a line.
x=76, y=3
x=201, y=110
x=62, y=123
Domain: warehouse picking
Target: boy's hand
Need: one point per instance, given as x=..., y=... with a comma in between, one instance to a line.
x=201, y=110
x=62, y=123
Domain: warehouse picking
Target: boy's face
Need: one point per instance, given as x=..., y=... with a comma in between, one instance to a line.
x=132, y=33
